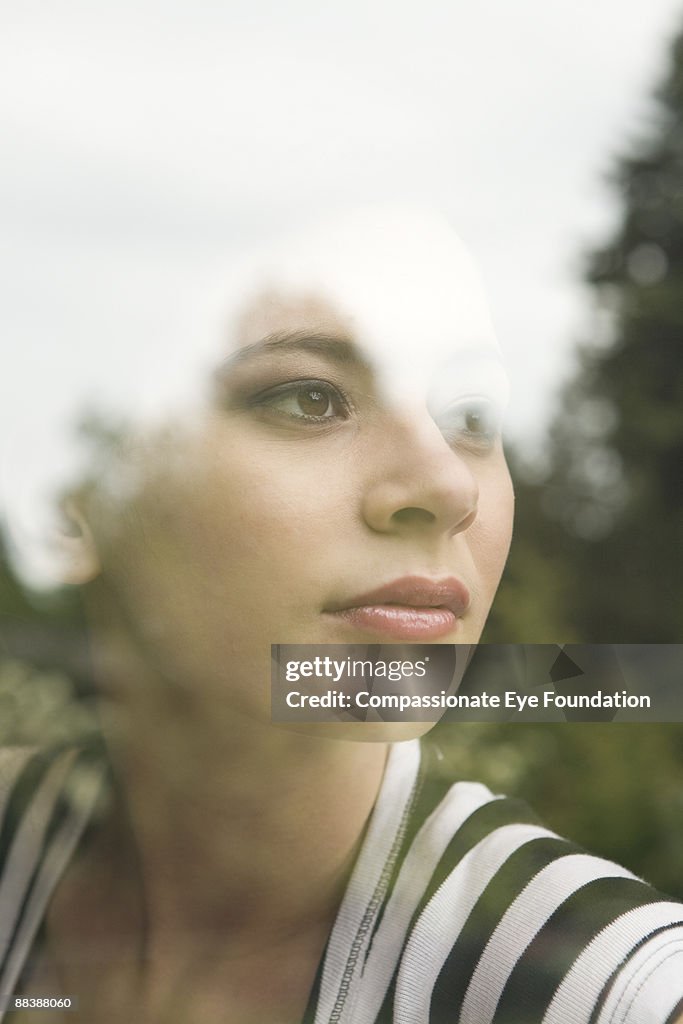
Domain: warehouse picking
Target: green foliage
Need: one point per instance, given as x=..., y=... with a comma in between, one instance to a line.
x=599, y=531
x=606, y=519
x=43, y=665
x=41, y=708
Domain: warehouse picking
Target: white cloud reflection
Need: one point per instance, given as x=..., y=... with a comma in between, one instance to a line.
x=147, y=144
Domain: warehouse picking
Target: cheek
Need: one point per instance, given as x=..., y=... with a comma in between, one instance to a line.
x=244, y=515
x=278, y=505
x=492, y=530
x=214, y=563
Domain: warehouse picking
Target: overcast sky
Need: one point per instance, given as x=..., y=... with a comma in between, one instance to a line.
x=145, y=142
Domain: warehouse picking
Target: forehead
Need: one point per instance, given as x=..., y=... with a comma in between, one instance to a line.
x=401, y=285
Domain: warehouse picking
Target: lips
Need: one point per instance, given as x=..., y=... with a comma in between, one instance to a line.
x=411, y=608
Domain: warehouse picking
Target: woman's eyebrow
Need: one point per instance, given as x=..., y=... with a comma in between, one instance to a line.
x=340, y=348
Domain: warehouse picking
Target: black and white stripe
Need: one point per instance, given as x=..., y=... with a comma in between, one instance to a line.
x=463, y=909
x=46, y=800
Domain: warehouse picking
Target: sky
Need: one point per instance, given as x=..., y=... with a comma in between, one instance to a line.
x=143, y=145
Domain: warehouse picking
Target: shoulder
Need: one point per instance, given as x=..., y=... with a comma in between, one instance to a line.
x=511, y=916
x=36, y=785
x=46, y=799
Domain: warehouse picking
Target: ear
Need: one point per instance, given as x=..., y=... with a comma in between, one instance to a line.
x=77, y=547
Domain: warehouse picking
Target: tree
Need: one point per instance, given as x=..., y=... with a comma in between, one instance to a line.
x=602, y=532
x=598, y=542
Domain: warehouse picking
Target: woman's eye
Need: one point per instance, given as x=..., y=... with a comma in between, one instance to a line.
x=310, y=400
x=472, y=422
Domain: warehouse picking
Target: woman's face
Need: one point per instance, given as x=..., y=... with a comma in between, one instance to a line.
x=347, y=483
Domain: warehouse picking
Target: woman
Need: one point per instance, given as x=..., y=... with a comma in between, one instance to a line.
x=344, y=482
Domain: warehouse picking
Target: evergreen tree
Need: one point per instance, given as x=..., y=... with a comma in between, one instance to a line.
x=602, y=534
x=598, y=548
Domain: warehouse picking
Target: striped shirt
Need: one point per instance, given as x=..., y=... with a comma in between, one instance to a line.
x=461, y=907
x=46, y=801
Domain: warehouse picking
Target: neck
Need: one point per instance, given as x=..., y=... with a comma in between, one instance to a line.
x=241, y=828
x=247, y=838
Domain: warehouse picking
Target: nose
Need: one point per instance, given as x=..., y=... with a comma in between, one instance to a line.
x=420, y=483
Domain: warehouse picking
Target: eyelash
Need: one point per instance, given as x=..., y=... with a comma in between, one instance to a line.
x=294, y=390
x=479, y=441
